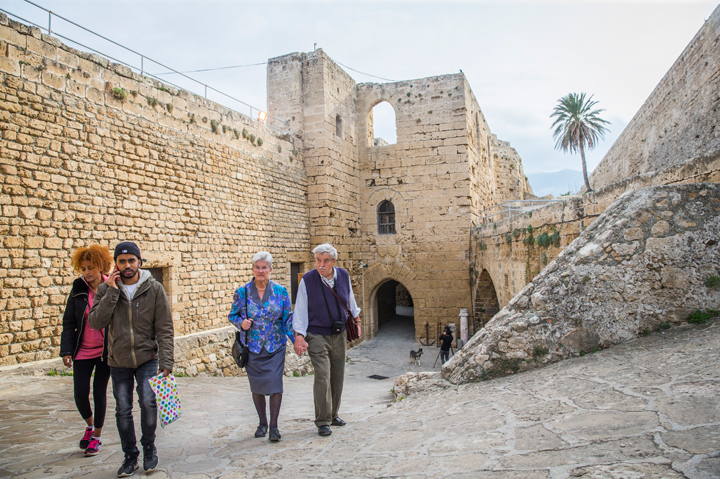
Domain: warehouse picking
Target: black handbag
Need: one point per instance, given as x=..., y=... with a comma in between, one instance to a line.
x=241, y=353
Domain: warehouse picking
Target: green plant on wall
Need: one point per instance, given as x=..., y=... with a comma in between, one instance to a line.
x=712, y=281
x=529, y=239
x=214, y=124
x=700, y=317
x=251, y=137
x=169, y=107
x=244, y=133
x=119, y=93
x=152, y=101
x=260, y=142
x=508, y=237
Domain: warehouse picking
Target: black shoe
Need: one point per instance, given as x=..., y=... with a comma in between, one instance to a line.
x=260, y=431
x=128, y=467
x=337, y=422
x=150, y=459
x=274, y=435
x=324, y=431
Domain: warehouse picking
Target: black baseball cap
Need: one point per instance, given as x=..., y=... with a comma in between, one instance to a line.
x=127, y=247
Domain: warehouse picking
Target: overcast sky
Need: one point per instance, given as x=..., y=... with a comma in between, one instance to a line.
x=519, y=58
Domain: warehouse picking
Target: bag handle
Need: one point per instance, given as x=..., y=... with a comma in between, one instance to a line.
x=247, y=316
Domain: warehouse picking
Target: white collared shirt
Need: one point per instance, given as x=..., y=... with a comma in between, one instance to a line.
x=300, y=313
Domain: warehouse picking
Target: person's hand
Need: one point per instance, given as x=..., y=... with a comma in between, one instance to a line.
x=300, y=345
x=165, y=372
x=68, y=361
x=359, y=326
x=114, y=276
x=246, y=324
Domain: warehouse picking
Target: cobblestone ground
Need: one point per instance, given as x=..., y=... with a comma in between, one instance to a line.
x=646, y=409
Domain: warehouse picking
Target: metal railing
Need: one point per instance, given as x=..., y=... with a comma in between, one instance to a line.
x=506, y=209
x=141, y=56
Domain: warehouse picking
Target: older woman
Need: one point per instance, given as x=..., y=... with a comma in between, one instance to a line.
x=262, y=307
x=83, y=348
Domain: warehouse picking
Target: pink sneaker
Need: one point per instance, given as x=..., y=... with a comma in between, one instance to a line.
x=94, y=447
x=87, y=437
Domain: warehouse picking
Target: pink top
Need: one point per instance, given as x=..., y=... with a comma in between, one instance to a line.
x=92, y=341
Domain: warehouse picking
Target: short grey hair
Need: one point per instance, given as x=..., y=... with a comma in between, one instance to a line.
x=262, y=256
x=325, y=248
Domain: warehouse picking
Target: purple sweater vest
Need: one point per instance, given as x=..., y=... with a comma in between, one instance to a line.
x=318, y=320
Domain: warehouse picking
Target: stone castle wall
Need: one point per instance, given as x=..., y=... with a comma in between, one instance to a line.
x=165, y=168
x=642, y=266
x=680, y=120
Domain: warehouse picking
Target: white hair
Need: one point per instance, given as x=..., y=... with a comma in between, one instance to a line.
x=325, y=248
x=262, y=256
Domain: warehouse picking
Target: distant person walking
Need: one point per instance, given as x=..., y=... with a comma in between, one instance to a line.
x=85, y=349
x=324, y=295
x=134, y=308
x=263, y=308
x=447, y=338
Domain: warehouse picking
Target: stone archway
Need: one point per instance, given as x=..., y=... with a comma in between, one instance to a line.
x=486, y=301
x=392, y=307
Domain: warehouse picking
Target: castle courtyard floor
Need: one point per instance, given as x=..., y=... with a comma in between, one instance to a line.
x=646, y=409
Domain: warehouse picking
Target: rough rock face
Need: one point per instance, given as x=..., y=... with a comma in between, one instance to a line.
x=412, y=383
x=641, y=266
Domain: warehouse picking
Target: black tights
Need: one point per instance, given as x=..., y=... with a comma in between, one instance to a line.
x=82, y=376
x=275, y=401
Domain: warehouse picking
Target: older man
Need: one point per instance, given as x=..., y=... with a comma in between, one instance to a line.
x=319, y=321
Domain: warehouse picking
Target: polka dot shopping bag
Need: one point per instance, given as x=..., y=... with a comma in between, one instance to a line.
x=167, y=397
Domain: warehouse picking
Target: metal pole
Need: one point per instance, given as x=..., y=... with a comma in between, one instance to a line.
x=362, y=265
x=49, y=23
x=206, y=92
x=142, y=66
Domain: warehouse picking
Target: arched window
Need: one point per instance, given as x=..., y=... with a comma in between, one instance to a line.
x=382, y=128
x=386, y=218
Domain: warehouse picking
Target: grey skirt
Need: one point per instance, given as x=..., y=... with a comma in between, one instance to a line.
x=265, y=371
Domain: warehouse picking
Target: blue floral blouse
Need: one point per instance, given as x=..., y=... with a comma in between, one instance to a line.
x=272, y=319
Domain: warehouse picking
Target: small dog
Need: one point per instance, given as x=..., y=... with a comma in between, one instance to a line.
x=415, y=356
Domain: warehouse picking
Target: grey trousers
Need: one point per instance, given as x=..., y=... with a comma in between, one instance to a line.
x=327, y=354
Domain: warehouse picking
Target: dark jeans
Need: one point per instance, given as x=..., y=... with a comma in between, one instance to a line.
x=444, y=356
x=82, y=375
x=123, y=381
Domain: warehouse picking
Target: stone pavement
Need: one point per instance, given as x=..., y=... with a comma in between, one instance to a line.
x=645, y=409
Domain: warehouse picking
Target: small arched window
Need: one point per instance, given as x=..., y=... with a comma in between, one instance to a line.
x=386, y=218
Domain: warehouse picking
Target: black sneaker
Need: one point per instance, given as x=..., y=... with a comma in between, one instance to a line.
x=150, y=459
x=128, y=467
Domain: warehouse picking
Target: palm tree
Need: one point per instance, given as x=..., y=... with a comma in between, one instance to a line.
x=578, y=126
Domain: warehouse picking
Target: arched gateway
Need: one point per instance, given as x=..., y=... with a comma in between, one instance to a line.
x=486, y=300
x=391, y=306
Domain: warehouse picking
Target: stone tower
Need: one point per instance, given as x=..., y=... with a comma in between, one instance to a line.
x=405, y=210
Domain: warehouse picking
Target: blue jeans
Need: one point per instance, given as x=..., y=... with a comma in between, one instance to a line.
x=123, y=380
x=444, y=356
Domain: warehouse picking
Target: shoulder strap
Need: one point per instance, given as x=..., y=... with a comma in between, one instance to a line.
x=336, y=296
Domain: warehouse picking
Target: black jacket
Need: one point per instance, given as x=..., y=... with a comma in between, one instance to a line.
x=447, y=339
x=73, y=323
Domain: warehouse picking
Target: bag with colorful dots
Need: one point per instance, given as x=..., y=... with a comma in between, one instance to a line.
x=167, y=397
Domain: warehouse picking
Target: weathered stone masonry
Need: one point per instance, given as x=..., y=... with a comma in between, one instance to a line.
x=78, y=166
x=92, y=152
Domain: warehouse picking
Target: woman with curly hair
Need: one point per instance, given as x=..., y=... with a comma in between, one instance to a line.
x=84, y=348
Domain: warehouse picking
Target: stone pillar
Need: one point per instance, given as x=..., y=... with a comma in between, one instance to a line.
x=464, y=325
